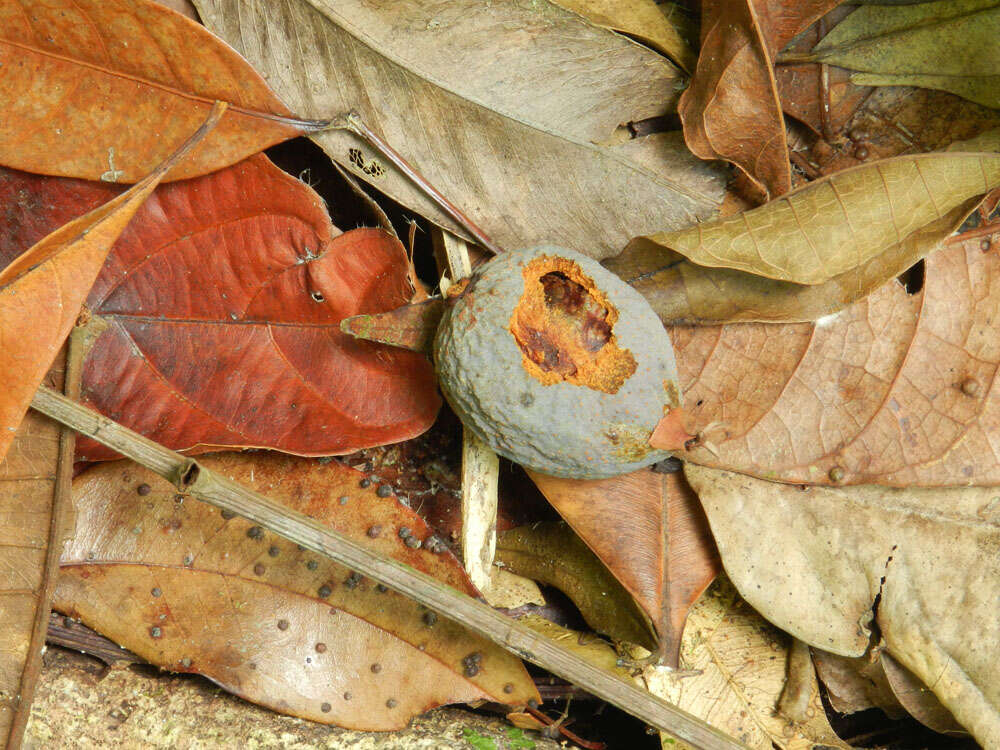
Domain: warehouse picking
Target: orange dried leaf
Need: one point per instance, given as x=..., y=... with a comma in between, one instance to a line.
x=107, y=90
x=193, y=590
x=34, y=479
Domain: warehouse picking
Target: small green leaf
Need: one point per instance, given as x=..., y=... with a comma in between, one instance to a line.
x=478, y=741
x=518, y=740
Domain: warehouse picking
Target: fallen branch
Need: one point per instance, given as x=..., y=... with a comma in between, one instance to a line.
x=189, y=476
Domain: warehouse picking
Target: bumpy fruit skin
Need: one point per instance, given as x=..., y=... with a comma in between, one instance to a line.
x=562, y=429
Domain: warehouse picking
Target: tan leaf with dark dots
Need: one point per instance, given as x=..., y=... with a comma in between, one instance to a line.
x=188, y=589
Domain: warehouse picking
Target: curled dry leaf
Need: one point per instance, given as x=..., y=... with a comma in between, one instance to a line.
x=856, y=683
x=891, y=122
x=817, y=562
x=644, y=20
x=731, y=110
x=650, y=532
x=895, y=390
x=107, y=90
x=948, y=45
x=221, y=306
x=684, y=293
x=732, y=671
x=552, y=554
x=813, y=252
x=191, y=590
x=497, y=105
x=408, y=327
x=836, y=224
x=917, y=699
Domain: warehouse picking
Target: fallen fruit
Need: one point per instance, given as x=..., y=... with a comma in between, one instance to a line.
x=557, y=364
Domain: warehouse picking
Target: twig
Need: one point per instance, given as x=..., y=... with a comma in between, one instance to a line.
x=803, y=163
x=824, y=89
x=60, y=518
x=353, y=122
x=480, y=465
x=189, y=476
x=983, y=231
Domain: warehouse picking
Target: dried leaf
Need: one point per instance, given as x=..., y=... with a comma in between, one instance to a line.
x=917, y=698
x=643, y=20
x=221, y=306
x=409, y=327
x=650, y=532
x=824, y=106
x=948, y=45
x=815, y=563
x=732, y=671
x=497, y=105
x=193, y=591
x=838, y=223
x=895, y=390
x=731, y=110
x=34, y=480
x=108, y=90
x=684, y=293
x=552, y=554
x=597, y=651
x=42, y=289
x=856, y=683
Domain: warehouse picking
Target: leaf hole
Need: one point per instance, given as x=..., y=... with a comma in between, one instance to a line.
x=317, y=296
x=912, y=278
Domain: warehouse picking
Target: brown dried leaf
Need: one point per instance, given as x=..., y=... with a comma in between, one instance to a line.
x=731, y=110
x=855, y=683
x=190, y=590
x=649, y=530
x=917, y=698
x=895, y=390
x=815, y=562
x=802, y=92
x=499, y=105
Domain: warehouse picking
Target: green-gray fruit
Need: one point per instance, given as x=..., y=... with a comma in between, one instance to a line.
x=557, y=364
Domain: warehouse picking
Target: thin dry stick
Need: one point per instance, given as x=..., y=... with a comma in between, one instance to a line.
x=59, y=522
x=824, y=88
x=480, y=465
x=189, y=476
x=356, y=125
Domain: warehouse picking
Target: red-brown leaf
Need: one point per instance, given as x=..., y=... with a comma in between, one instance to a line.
x=651, y=533
x=220, y=308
